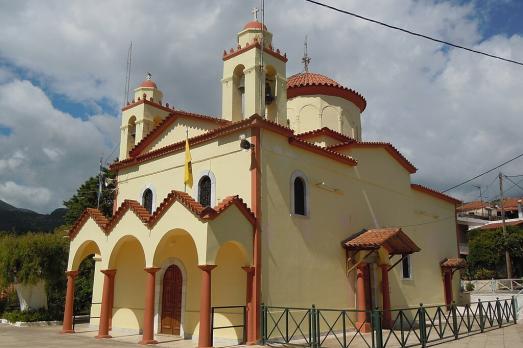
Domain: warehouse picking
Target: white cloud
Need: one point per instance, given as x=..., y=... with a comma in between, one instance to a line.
x=24, y=196
x=453, y=113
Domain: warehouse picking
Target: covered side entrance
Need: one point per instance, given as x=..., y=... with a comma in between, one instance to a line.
x=171, y=301
x=369, y=253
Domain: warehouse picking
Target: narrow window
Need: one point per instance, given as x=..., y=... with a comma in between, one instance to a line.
x=147, y=200
x=204, y=191
x=406, y=270
x=299, y=196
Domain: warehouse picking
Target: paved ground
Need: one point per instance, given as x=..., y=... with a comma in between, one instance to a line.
x=510, y=336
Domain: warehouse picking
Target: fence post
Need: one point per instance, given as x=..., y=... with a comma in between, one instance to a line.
x=481, y=319
x=467, y=310
x=498, y=308
x=377, y=328
x=286, y=325
x=314, y=342
x=422, y=325
x=245, y=324
x=212, y=326
x=344, y=329
x=513, y=304
x=264, y=323
x=454, y=320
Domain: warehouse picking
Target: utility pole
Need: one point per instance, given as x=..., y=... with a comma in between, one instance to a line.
x=504, y=227
x=480, y=197
x=100, y=180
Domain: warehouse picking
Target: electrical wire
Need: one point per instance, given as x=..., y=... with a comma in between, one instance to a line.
x=509, y=179
x=486, y=172
x=414, y=33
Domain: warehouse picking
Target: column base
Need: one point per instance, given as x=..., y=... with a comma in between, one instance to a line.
x=98, y=337
x=364, y=327
x=67, y=331
x=251, y=343
x=145, y=342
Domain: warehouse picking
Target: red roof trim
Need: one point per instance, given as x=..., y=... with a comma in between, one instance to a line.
x=232, y=53
x=405, y=163
x=435, y=193
x=168, y=121
x=322, y=151
x=326, y=132
x=142, y=100
x=202, y=213
x=335, y=91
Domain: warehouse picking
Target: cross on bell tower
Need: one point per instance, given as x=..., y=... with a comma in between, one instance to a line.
x=306, y=60
x=255, y=13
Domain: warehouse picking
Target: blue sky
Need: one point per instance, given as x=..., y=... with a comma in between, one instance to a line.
x=61, y=80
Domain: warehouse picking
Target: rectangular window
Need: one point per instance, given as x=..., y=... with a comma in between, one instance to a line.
x=406, y=270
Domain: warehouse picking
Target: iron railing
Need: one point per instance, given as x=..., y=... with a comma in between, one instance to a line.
x=79, y=317
x=229, y=312
x=405, y=327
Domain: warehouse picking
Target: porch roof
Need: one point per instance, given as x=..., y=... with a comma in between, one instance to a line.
x=454, y=263
x=394, y=240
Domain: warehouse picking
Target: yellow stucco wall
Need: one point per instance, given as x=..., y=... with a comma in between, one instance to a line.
x=312, y=112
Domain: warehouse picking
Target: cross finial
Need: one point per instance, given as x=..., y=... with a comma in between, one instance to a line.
x=148, y=76
x=255, y=13
x=306, y=59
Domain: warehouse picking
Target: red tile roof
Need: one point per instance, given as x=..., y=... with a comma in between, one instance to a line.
x=453, y=263
x=253, y=121
x=474, y=205
x=496, y=225
x=249, y=46
x=387, y=146
x=168, y=121
x=202, y=213
x=307, y=83
x=325, y=131
x=394, y=240
x=148, y=84
x=511, y=203
x=435, y=193
x=255, y=25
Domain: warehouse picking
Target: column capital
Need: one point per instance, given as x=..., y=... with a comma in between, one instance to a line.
x=72, y=274
x=206, y=268
x=249, y=269
x=108, y=272
x=151, y=270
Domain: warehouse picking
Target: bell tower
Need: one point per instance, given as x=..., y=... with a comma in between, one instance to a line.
x=254, y=79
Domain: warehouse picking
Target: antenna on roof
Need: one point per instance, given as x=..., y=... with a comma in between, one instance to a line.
x=128, y=74
x=306, y=60
x=262, y=63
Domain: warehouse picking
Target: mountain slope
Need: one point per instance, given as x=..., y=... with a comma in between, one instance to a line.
x=23, y=220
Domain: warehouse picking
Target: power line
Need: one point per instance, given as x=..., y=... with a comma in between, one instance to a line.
x=488, y=171
x=414, y=33
x=509, y=179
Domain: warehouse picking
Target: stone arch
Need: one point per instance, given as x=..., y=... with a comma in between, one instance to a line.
x=298, y=174
x=270, y=93
x=88, y=247
x=309, y=118
x=131, y=133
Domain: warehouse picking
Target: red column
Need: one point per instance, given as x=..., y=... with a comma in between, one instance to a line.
x=148, y=313
x=385, y=291
x=447, y=284
x=107, y=294
x=251, y=331
x=69, y=302
x=204, y=339
x=361, y=280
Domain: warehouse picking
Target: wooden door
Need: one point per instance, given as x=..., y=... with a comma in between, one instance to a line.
x=172, y=301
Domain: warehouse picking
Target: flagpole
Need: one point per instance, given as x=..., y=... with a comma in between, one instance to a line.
x=186, y=139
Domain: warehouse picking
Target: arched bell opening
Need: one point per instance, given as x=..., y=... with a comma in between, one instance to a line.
x=238, y=93
x=271, y=108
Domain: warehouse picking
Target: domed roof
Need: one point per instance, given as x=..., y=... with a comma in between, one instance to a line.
x=307, y=83
x=148, y=84
x=254, y=25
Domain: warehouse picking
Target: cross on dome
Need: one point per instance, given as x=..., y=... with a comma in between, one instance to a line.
x=255, y=13
x=148, y=76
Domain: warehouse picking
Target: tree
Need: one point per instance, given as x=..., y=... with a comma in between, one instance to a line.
x=87, y=196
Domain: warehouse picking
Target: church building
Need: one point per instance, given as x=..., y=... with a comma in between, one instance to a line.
x=279, y=201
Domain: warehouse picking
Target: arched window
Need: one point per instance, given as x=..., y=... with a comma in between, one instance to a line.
x=299, y=196
x=147, y=200
x=204, y=191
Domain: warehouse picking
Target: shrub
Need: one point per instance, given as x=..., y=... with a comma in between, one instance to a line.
x=469, y=287
x=484, y=273
x=28, y=316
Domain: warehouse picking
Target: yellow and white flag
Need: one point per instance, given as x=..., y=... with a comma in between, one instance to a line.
x=188, y=165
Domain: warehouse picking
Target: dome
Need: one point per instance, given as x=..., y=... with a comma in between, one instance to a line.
x=254, y=25
x=148, y=84
x=308, y=83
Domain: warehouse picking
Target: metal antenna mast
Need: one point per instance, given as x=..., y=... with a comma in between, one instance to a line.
x=128, y=74
x=262, y=64
x=306, y=60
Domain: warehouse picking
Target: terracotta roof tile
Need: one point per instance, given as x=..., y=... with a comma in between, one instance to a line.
x=475, y=205
x=435, y=193
x=307, y=83
x=387, y=146
x=326, y=132
x=322, y=151
x=496, y=225
x=453, y=263
x=203, y=213
x=394, y=240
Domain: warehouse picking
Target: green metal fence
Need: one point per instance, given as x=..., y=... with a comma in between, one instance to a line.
x=404, y=327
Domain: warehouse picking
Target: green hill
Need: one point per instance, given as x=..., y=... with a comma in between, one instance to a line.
x=18, y=220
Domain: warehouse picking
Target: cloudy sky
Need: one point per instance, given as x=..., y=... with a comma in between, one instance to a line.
x=62, y=68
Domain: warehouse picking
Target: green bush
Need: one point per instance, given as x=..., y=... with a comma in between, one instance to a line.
x=28, y=316
x=469, y=287
x=484, y=274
